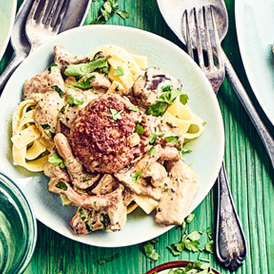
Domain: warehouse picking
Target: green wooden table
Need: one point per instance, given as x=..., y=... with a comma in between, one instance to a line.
x=249, y=172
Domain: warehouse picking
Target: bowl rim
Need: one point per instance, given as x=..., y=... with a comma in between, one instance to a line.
x=11, y=187
x=168, y=265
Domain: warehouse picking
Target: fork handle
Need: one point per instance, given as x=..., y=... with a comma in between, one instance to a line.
x=230, y=240
x=263, y=132
x=16, y=60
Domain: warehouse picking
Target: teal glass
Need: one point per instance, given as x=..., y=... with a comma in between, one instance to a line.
x=18, y=229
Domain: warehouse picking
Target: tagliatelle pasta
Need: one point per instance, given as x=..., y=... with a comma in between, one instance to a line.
x=190, y=124
x=132, y=64
x=28, y=149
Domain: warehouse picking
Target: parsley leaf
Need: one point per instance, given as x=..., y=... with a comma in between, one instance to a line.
x=45, y=126
x=85, y=84
x=150, y=251
x=190, y=218
x=115, y=115
x=56, y=160
x=103, y=261
x=153, y=138
x=133, y=108
x=108, y=9
x=209, y=247
x=157, y=109
x=183, y=99
x=119, y=71
x=139, y=129
x=170, y=139
x=83, y=69
x=62, y=185
x=73, y=101
x=58, y=90
x=135, y=176
x=152, y=151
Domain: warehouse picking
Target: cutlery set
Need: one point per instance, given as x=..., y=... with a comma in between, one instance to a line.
x=204, y=25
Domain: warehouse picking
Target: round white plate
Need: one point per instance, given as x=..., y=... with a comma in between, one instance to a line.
x=207, y=150
x=255, y=30
x=7, y=15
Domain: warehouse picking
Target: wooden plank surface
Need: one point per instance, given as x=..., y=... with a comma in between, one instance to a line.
x=249, y=172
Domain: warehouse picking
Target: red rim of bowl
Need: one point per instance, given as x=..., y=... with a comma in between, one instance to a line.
x=169, y=265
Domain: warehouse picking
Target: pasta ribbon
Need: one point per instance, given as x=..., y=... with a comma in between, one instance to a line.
x=28, y=149
x=181, y=115
x=133, y=65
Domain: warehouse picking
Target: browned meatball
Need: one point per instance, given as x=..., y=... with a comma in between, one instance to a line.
x=101, y=140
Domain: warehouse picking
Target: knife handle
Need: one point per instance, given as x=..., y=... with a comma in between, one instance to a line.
x=16, y=60
x=239, y=90
x=230, y=240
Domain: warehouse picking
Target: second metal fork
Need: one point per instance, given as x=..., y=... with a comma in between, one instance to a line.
x=43, y=25
x=200, y=31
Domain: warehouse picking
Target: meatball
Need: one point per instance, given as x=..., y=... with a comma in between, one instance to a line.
x=100, y=135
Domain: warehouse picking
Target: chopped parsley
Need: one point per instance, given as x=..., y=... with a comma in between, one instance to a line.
x=119, y=71
x=115, y=115
x=63, y=109
x=165, y=100
x=152, y=138
x=108, y=9
x=150, y=251
x=203, y=123
x=83, y=69
x=62, y=185
x=84, y=84
x=104, y=261
x=58, y=90
x=139, y=129
x=170, y=139
x=45, y=126
x=135, y=176
x=191, y=267
x=73, y=101
x=183, y=150
x=133, y=108
x=56, y=160
x=152, y=152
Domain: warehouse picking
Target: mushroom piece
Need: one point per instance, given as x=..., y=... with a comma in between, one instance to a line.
x=148, y=87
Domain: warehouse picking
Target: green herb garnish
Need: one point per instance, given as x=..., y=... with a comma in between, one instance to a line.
x=73, y=101
x=83, y=69
x=58, y=90
x=152, y=151
x=133, y=108
x=56, y=160
x=45, y=126
x=115, y=115
x=135, y=176
x=150, y=251
x=139, y=129
x=84, y=84
x=119, y=71
x=103, y=261
x=62, y=185
x=170, y=139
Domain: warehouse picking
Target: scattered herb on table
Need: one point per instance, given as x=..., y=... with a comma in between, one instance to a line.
x=150, y=251
x=104, y=261
x=108, y=9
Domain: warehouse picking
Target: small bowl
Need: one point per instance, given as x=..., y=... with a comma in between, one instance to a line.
x=164, y=268
x=18, y=229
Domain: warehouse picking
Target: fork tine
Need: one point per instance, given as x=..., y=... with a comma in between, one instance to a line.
x=198, y=39
x=61, y=16
x=52, y=13
x=188, y=36
x=42, y=13
x=217, y=40
x=207, y=16
x=33, y=10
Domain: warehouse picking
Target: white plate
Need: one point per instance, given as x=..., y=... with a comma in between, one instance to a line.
x=7, y=15
x=255, y=30
x=207, y=150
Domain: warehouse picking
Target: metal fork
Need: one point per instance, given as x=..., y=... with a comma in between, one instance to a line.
x=42, y=26
x=200, y=31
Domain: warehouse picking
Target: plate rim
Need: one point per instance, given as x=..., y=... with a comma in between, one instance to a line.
x=11, y=20
x=212, y=95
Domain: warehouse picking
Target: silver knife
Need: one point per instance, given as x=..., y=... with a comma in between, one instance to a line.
x=74, y=17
